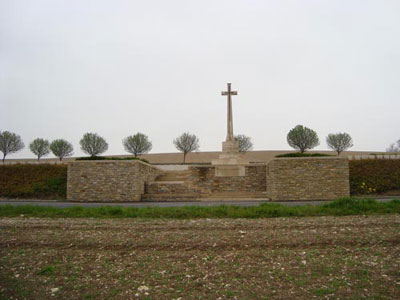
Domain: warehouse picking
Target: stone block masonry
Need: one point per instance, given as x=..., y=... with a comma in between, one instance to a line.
x=322, y=178
x=316, y=178
x=204, y=180
x=103, y=181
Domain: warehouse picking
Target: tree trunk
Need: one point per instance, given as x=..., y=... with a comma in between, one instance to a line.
x=184, y=157
x=61, y=158
x=4, y=157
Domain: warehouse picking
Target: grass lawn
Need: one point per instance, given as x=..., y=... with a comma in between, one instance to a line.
x=341, y=207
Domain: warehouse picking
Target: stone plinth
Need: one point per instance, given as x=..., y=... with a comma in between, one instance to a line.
x=230, y=162
x=230, y=147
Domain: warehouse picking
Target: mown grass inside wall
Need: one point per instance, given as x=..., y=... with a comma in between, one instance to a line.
x=374, y=176
x=44, y=181
x=341, y=207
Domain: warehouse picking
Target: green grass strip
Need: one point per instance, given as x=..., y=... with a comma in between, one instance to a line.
x=341, y=207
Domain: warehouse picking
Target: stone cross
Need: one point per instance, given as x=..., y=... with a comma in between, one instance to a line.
x=229, y=93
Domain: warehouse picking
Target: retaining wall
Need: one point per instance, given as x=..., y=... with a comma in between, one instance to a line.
x=203, y=179
x=102, y=181
x=322, y=178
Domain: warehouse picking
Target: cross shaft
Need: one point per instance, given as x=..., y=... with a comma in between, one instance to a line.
x=229, y=93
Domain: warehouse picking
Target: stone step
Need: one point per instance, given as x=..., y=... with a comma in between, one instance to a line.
x=169, y=197
x=241, y=196
x=193, y=196
x=167, y=187
x=173, y=176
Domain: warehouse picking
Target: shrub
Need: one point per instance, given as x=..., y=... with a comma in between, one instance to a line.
x=43, y=181
x=374, y=176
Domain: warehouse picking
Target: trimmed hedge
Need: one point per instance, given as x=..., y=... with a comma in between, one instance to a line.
x=44, y=181
x=111, y=158
x=374, y=176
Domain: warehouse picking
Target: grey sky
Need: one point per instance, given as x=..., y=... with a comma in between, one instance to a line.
x=158, y=67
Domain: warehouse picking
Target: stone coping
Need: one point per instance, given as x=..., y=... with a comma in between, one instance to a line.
x=130, y=161
x=246, y=165
x=309, y=158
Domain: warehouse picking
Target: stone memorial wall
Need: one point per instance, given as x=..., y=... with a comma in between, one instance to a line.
x=204, y=180
x=286, y=179
x=322, y=178
x=103, y=181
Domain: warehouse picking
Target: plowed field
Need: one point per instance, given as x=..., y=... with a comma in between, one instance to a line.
x=353, y=257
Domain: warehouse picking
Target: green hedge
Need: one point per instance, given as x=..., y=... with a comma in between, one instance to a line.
x=44, y=181
x=111, y=158
x=374, y=176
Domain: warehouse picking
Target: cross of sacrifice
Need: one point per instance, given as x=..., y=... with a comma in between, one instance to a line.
x=229, y=93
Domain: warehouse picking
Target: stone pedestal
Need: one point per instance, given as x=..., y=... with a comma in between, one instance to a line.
x=230, y=147
x=230, y=162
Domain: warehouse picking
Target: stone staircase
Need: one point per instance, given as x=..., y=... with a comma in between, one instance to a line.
x=171, y=186
x=236, y=196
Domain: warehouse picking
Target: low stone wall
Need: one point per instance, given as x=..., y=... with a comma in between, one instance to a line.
x=322, y=178
x=102, y=181
x=203, y=179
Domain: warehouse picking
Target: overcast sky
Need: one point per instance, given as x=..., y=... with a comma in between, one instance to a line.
x=158, y=67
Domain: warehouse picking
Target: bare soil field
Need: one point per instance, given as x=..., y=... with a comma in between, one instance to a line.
x=354, y=257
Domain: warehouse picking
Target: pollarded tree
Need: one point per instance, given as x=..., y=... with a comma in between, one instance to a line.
x=186, y=143
x=302, y=138
x=137, y=144
x=394, y=148
x=244, y=142
x=39, y=147
x=10, y=143
x=61, y=148
x=339, y=141
x=93, y=144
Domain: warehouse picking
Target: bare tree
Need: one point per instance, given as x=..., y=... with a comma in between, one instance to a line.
x=394, y=148
x=302, y=138
x=137, y=144
x=10, y=143
x=61, y=148
x=244, y=142
x=186, y=143
x=339, y=141
x=39, y=147
x=93, y=144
